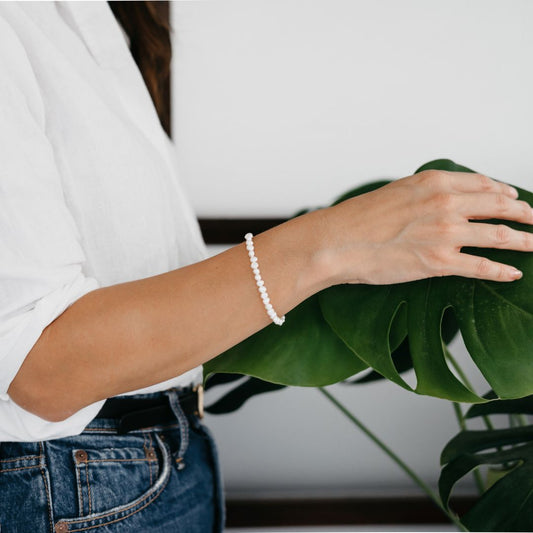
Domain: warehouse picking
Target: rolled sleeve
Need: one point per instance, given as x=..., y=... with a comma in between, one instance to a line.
x=21, y=331
x=16, y=424
x=41, y=254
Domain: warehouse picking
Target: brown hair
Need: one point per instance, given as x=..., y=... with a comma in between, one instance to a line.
x=147, y=26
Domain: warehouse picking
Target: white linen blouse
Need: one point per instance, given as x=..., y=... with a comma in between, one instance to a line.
x=89, y=193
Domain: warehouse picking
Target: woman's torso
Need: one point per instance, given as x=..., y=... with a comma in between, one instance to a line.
x=114, y=159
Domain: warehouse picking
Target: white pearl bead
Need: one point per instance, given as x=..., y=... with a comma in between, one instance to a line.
x=254, y=263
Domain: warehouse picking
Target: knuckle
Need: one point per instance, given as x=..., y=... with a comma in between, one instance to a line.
x=437, y=260
x=443, y=201
x=485, y=183
x=446, y=229
x=502, y=234
x=526, y=208
x=429, y=174
x=527, y=241
x=433, y=177
x=483, y=267
x=501, y=272
x=502, y=202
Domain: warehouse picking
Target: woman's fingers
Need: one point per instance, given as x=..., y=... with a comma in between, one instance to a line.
x=492, y=205
x=471, y=266
x=472, y=182
x=415, y=228
x=475, y=196
x=481, y=235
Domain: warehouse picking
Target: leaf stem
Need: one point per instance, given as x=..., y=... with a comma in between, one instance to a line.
x=462, y=424
x=466, y=381
x=394, y=457
x=517, y=420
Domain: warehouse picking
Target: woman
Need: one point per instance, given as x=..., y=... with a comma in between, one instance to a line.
x=106, y=293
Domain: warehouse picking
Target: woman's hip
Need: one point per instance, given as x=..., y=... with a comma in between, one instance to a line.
x=159, y=478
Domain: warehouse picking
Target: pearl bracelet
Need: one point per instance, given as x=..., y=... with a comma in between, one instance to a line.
x=260, y=283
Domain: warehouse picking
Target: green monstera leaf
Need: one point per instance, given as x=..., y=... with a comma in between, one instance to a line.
x=304, y=351
x=496, y=321
x=508, y=504
x=347, y=328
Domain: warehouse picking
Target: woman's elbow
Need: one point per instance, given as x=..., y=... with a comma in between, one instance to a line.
x=38, y=399
x=37, y=389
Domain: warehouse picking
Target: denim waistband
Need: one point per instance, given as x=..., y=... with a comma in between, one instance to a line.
x=173, y=395
x=30, y=453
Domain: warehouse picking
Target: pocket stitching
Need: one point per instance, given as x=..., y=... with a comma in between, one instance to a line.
x=86, y=481
x=151, y=445
x=122, y=517
x=46, y=481
x=80, y=492
x=21, y=458
x=151, y=495
x=89, y=497
x=19, y=468
x=115, y=460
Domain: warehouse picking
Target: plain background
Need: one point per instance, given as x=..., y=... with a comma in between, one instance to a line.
x=285, y=104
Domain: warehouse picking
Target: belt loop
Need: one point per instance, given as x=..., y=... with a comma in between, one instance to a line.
x=199, y=390
x=174, y=402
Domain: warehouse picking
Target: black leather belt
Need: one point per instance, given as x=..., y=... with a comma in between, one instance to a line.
x=137, y=413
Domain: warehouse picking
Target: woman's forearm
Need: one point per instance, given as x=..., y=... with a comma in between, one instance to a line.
x=131, y=335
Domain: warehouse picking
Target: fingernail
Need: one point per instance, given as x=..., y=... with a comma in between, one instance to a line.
x=516, y=274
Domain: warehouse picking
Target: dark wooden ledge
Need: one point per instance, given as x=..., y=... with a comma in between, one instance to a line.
x=339, y=512
x=233, y=230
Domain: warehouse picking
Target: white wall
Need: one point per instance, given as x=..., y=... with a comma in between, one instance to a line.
x=282, y=104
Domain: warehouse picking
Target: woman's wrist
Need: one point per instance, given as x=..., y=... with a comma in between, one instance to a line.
x=318, y=242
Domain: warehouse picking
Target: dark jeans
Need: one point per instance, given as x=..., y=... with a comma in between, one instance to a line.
x=154, y=480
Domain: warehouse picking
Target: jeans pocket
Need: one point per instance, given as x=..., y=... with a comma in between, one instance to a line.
x=25, y=503
x=116, y=483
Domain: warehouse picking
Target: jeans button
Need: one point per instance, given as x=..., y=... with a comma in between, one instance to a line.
x=151, y=455
x=61, y=527
x=81, y=457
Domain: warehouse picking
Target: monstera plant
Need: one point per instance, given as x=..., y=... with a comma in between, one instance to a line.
x=345, y=329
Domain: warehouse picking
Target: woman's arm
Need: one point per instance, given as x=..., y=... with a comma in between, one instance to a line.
x=128, y=336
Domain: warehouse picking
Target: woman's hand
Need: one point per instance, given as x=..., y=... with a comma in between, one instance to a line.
x=415, y=228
